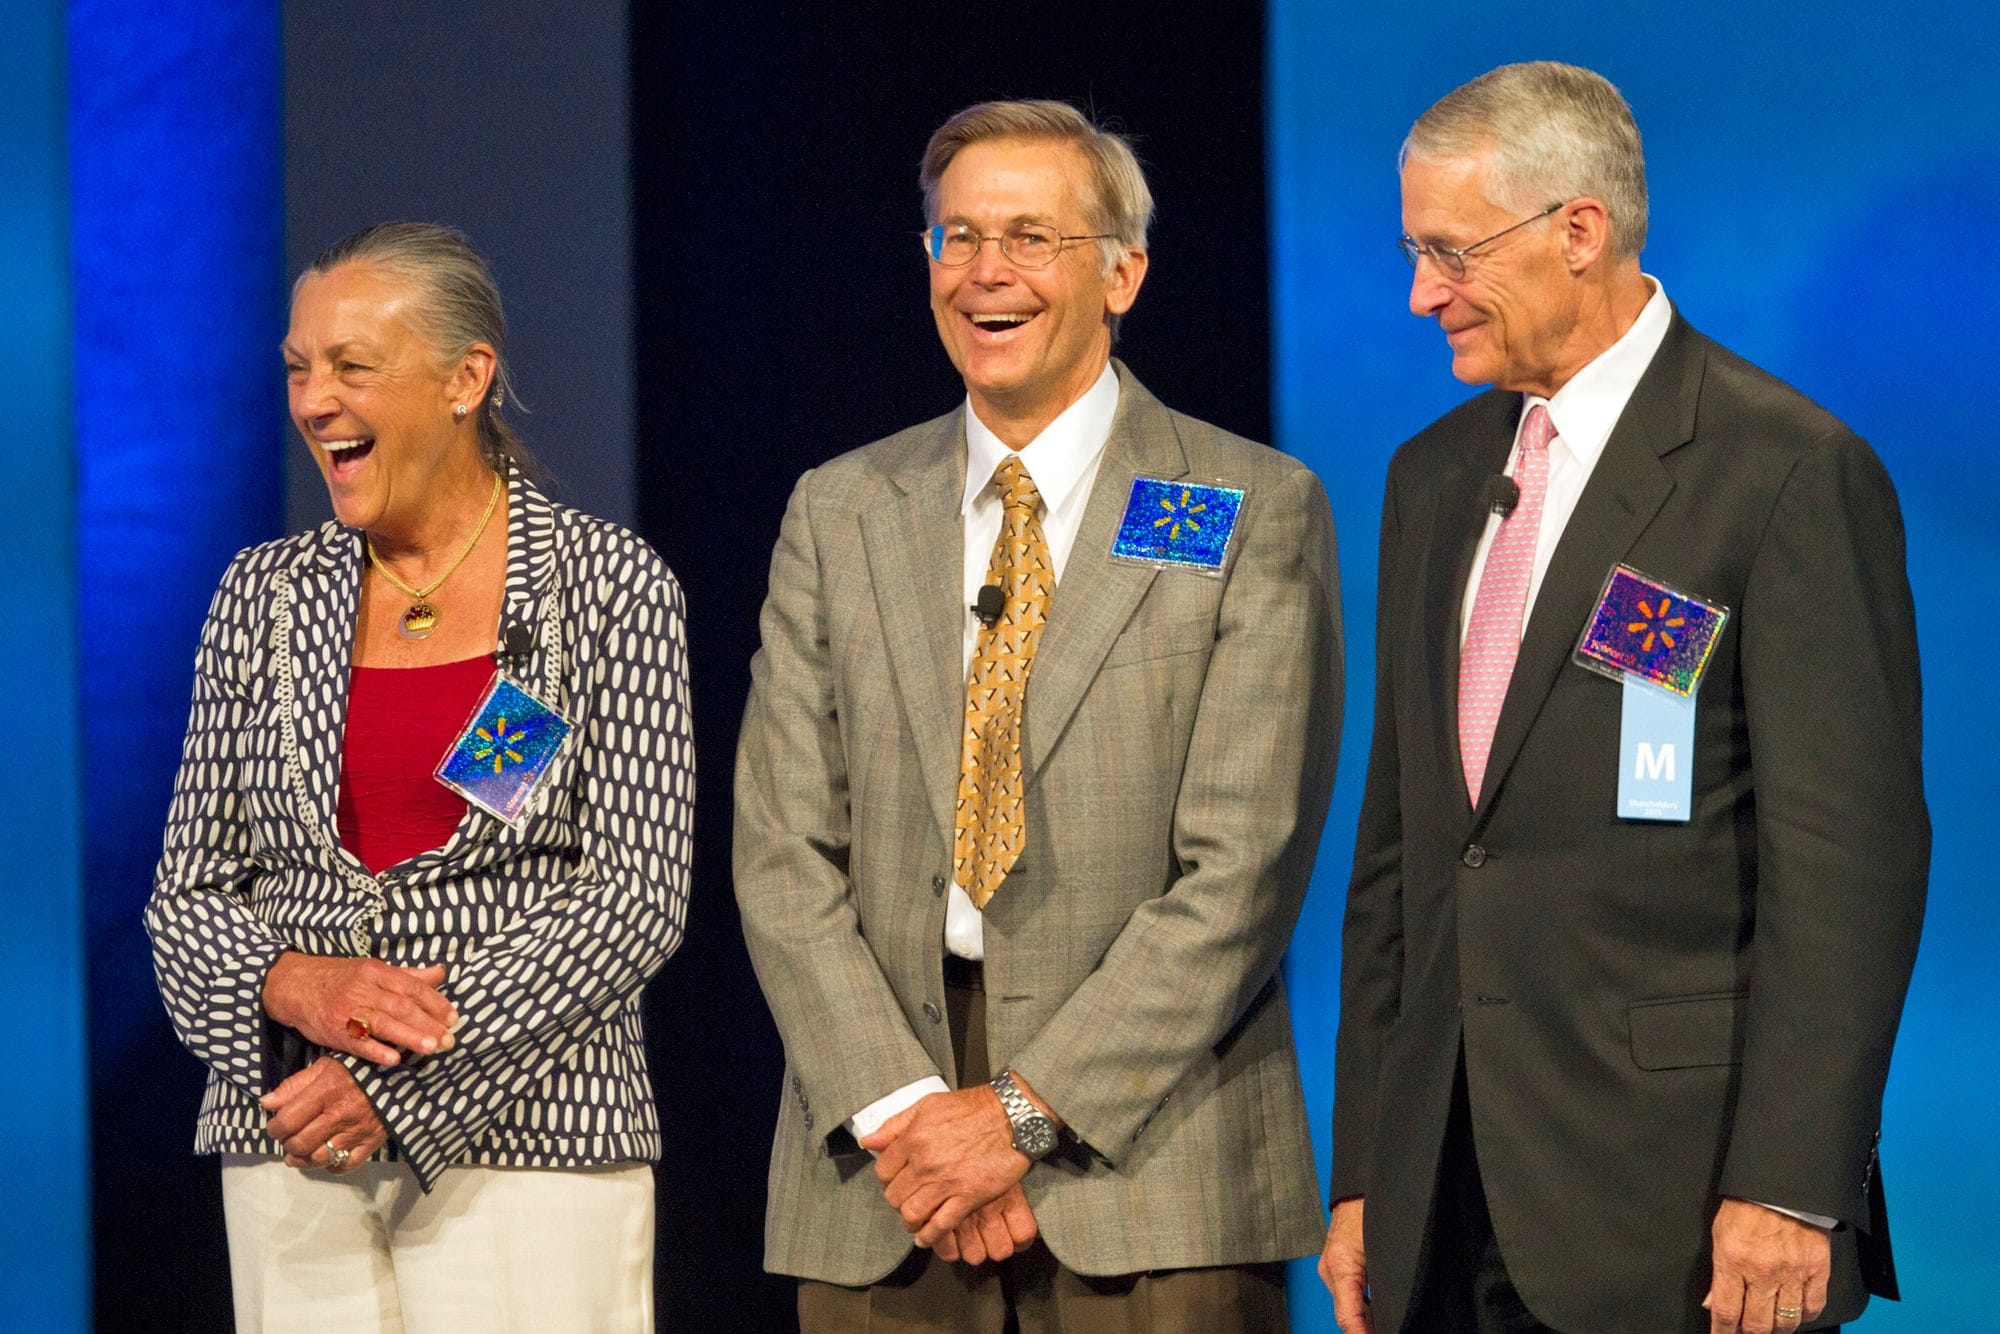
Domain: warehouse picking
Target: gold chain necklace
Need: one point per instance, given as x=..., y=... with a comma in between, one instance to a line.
x=422, y=618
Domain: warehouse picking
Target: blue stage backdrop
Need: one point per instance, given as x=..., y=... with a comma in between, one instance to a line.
x=44, y=1218
x=178, y=216
x=1825, y=194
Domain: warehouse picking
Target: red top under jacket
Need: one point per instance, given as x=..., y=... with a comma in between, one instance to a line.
x=400, y=722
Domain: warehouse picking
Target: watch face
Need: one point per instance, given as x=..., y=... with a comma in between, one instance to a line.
x=1035, y=1135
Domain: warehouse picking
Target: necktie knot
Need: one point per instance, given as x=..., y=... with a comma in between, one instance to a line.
x=1016, y=488
x=1537, y=430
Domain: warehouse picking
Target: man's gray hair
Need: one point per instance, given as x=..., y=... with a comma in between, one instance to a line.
x=1118, y=202
x=457, y=305
x=1557, y=132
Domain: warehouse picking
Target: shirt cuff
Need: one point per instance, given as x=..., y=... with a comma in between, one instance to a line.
x=870, y=1118
x=1820, y=1221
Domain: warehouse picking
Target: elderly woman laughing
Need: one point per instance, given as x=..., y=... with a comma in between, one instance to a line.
x=428, y=842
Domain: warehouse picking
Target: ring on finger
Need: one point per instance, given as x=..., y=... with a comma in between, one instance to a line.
x=336, y=1158
x=358, y=1025
x=1790, y=1312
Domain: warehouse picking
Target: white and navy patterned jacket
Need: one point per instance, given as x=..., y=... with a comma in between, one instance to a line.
x=548, y=930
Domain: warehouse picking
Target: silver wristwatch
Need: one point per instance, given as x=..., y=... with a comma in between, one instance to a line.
x=1034, y=1134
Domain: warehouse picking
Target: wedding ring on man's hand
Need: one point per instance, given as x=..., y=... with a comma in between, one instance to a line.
x=1790, y=1312
x=357, y=1027
x=336, y=1158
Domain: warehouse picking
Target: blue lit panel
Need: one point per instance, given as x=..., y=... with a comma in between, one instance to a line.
x=44, y=1218
x=176, y=133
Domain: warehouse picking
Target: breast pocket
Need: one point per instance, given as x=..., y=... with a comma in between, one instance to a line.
x=1167, y=639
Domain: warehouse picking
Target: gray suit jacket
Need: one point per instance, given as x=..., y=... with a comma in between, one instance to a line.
x=1179, y=748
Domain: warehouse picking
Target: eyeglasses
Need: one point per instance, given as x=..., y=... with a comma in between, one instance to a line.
x=1026, y=245
x=1453, y=261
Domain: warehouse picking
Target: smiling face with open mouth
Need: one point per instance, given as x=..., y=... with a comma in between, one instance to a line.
x=1029, y=342
x=372, y=403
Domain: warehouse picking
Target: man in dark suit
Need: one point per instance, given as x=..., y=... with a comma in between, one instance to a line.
x=1020, y=932
x=1611, y=1068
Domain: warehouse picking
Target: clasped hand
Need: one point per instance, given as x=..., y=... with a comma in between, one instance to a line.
x=363, y=1007
x=948, y=1165
x=317, y=1106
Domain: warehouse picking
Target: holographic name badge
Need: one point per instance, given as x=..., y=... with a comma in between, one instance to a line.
x=500, y=759
x=1647, y=629
x=1177, y=523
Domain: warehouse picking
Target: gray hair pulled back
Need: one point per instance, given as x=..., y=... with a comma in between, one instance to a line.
x=458, y=304
x=1556, y=132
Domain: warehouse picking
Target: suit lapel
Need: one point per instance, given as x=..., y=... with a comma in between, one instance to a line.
x=1097, y=595
x=325, y=586
x=1456, y=527
x=915, y=548
x=1625, y=491
x=531, y=566
x=529, y=599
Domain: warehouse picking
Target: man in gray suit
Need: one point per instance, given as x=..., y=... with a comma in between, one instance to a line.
x=1018, y=853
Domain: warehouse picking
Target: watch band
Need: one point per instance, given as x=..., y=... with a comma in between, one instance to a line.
x=1033, y=1132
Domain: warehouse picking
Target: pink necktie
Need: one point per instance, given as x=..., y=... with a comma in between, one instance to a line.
x=1493, y=640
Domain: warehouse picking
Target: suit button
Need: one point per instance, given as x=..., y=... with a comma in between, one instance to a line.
x=933, y=1013
x=937, y=884
x=1473, y=856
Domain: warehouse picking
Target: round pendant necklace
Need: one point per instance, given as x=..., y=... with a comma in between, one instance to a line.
x=422, y=618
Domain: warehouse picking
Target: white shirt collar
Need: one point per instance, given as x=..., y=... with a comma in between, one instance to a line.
x=1584, y=410
x=1058, y=459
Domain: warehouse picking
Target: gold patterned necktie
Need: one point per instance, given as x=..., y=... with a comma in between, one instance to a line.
x=990, y=824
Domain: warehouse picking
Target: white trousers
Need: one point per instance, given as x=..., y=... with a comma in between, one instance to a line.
x=525, y=1250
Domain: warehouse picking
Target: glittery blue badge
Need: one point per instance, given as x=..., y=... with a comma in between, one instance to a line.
x=1646, y=629
x=1177, y=523
x=501, y=757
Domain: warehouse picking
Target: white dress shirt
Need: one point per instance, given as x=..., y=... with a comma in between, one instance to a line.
x=1063, y=462
x=1583, y=413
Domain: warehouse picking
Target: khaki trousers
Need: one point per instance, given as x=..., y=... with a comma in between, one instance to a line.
x=523, y=1250
x=1033, y=1293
